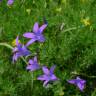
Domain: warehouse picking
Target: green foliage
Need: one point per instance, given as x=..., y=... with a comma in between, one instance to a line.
x=73, y=51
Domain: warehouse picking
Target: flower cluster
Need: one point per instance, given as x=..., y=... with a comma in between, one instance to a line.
x=21, y=50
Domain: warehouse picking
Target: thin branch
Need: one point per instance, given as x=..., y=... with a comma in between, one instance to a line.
x=24, y=60
x=7, y=45
x=73, y=28
x=82, y=74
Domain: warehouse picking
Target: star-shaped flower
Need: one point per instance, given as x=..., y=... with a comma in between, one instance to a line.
x=48, y=75
x=10, y=2
x=86, y=21
x=33, y=64
x=80, y=83
x=19, y=50
x=36, y=35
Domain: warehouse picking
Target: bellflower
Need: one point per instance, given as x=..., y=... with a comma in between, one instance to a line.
x=10, y=2
x=48, y=75
x=36, y=35
x=19, y=50
x=80, y=83
x=33, y=64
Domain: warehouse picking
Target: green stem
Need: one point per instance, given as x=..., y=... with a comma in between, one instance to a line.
x=73, y=28
x=30, y=55
x=24, y=60
x=32, y=79
x=75, y=73
x=7, y=45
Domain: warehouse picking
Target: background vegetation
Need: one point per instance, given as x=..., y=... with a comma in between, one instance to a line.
x=70, y=45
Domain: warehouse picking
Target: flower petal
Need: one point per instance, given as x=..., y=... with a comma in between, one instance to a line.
x=80, y=86
x=17, y=40
x=36, y=27
x=15, y=49
x=83, y=81
x=32, y=67
x=52, y=69
x=30, y=62
x=19, y=46
x=41, y=38
x=10, y=2
x=35, y=59
x=78, y=78
x=29, y=67
x=42, y=28
x=53, y=77
x=41, y=78
x=73, y=81
x=45, y=83
x=45, y=70
x=30, y=42
x=25, y=51
x=29, y=35
x=16, y=56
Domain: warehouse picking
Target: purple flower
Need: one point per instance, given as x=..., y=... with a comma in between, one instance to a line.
x=48, y=75
x=10, y=2
x=36, y=35
x=19, y=50
x=80, y=83
x=33, y=64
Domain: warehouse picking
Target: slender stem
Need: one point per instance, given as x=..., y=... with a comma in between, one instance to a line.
x=7, y=45
x=24, y=60
x=32, y=79
x=30, y=55
x=73, y=28
x=75, y=73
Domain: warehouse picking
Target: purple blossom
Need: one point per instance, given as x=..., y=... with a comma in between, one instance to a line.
x=33, y=64
x=19, y=50
x=36, y=35
x=10, y=2
x=48, y=75
x=80, y=83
